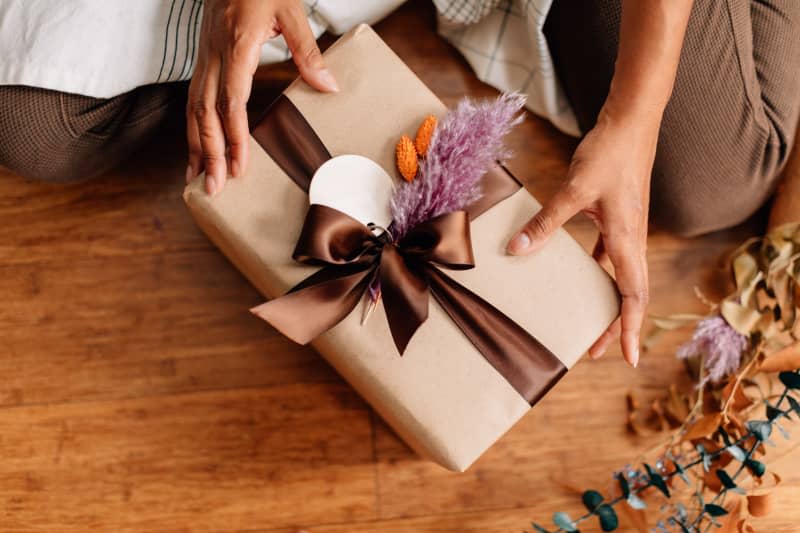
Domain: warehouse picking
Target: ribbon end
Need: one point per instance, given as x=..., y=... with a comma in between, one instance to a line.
x=263, y=312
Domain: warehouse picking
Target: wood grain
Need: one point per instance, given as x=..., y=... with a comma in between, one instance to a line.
x=139, y=395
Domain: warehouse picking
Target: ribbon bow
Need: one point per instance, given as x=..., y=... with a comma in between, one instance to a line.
x=353, y=257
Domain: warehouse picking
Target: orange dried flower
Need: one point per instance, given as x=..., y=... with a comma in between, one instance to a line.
x=407, y=162
x=424, y=134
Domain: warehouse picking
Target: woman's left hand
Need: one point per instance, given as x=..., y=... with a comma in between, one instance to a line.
x=231, y=37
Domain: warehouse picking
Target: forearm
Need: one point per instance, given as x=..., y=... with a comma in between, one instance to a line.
x=651, y=38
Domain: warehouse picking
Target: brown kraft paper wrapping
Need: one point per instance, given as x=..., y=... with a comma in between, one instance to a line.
x=442, y=396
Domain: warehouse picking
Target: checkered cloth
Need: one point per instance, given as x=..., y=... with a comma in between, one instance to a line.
x=504, y=43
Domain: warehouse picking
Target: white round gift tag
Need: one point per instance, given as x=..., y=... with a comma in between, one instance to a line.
x=356, y=186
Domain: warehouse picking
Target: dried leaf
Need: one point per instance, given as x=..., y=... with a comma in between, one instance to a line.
x=677, y=405
x=745, y=269
x=676, y=321
x=759, y=504
x=744, y=527
x=705, y=426
x=741, y=318
x=784, y=360
x=634, y=426
x=730, y=522
x=740, y=399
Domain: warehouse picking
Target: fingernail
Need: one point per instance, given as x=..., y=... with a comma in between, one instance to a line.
x=326, y=78
x=211, y=185
x=519, y=243
x=635, y=357
x=189, y=173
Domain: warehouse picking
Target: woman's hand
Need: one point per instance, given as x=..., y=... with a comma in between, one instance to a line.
x=609, y=181
x=231, y=37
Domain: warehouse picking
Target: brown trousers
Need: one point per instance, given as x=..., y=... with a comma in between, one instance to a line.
x=724, y=138
x=733, y=114
x=59, y=137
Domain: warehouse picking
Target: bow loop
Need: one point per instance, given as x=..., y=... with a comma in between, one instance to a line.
x=334, y=238
x=444, y=240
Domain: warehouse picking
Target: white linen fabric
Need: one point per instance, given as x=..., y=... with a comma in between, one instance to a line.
x=504, y=43
x=103, y=48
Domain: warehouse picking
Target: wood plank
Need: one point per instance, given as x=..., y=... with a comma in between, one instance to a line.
x=139, y=395
x=148, y=324
x=215, y=461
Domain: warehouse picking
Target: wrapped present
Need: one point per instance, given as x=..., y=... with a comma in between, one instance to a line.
x=465, y=338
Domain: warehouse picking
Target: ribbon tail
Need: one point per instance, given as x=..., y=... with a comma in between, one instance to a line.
x=521, y=359
x=317, y=304
x=405, y=297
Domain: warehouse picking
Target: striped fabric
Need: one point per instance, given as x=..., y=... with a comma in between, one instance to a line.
x=103, y=48
x=503, y=42
x=180, y=40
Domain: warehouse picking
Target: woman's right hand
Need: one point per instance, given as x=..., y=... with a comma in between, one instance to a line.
x=609, y=181
x=231, y=37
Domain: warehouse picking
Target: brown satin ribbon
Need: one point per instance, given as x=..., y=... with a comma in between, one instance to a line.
x=352, y=256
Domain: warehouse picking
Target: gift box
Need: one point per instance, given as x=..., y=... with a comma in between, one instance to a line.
x=497, y=336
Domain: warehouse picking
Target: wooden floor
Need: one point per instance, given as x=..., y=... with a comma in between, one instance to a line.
x=139, y=395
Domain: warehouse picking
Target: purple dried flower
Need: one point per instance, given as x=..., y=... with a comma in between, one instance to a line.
x=720, y=345
x=465, y=144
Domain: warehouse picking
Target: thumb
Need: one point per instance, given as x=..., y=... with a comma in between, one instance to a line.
x=305, y=52
x=552, y=216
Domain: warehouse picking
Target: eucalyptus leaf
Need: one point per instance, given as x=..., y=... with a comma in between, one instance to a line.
x=681, y=473
x=608, y=518
x=795, y=404
x=656, y=480
x=682, y=514
x=784, y=432
x=725, y=437
x=591, y=499
x=756, y=467
x=725, y=479
x=706, y=462
x=624, y=487
x=790, y=379
x=714, y=510
x=636, y=502
x=773, y=412
x=736, y=452
x=563, y=521
x=760, y=429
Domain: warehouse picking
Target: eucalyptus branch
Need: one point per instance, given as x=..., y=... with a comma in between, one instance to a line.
x=758, y=431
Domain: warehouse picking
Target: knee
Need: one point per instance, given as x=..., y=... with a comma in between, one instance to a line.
x=48, y=163
x=57, y=138
x=690, y=198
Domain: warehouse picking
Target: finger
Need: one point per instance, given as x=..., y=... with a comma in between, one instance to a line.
x=195, y=165
x=602, y=343
x=238, y=67
x=305, y=52
x=212, y=137
x=563, y=206
x=630, y=267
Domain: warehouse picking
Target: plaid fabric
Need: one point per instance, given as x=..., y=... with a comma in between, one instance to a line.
x=503, y=42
